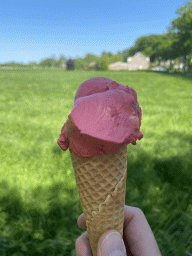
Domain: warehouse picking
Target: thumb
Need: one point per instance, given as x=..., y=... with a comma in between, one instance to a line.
x=111, y=244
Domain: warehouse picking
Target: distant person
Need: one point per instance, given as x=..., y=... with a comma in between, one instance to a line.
x=138, y=238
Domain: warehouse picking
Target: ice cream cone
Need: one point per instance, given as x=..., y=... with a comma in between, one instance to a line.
x=101, y=183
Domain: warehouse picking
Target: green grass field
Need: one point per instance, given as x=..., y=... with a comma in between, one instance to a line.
x=39, y=202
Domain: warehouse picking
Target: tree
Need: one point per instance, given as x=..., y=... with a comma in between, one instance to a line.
x=111, y=58
x=33, y=64
x=117, y=57
x=107, y=54
x=46, y=63
x=70, y=64
x=167, y=49
x=50, y=62
x=79, y=63
x=103, y=63
x=125, y=54
x=90, y=58
x=181, y=31
x=148, y=45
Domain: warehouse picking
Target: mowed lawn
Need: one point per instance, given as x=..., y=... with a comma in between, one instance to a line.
x=39, y=202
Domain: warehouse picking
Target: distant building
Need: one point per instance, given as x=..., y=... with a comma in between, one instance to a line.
x=63, y=64
x=137, y=62
x=118, y=66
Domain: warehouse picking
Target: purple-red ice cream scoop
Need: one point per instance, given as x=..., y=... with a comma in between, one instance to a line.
x=106, y=116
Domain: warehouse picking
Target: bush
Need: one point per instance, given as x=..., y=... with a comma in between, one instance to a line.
x=79, y=64
x=103, y=64
x=70, y=65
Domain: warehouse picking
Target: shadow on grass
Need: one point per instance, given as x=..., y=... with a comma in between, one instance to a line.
x=176, y=170
x=161, y=188
x=26, y=229
x=184, y=75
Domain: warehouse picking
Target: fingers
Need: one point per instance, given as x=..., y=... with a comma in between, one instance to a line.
x=110, y=243
x=82, y=246
x=129, y=213
x=138, y=234
x=81, y=222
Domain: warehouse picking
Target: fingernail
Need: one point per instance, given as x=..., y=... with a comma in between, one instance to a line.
x=113, y=245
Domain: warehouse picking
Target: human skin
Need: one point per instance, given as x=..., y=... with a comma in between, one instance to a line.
x=138, y=236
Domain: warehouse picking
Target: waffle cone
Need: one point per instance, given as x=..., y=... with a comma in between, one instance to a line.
x=101, y=183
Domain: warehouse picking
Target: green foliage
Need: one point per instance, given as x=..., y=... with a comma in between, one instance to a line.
x=50, y=62
x=79, y=63
x=86, y=62
x=39, y=202
x=90, y=58
x=150, y=46
x=103, y=63
x=117, y=57
x=13, y=64
x=53, y=63
x=125, y=54
x=182, y=29
x=111, y=58
x=33, y=64
x=177, y=42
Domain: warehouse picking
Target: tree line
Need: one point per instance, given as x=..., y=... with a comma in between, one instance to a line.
x=174, y=45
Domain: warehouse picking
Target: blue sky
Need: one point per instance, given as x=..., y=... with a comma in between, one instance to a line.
x=36, y=29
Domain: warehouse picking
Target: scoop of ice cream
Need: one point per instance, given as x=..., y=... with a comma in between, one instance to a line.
x=106, y=116
x=92, y=86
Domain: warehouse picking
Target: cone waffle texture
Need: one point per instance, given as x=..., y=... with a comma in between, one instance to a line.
x=101, y=183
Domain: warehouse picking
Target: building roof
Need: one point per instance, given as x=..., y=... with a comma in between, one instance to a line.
x=139, y=53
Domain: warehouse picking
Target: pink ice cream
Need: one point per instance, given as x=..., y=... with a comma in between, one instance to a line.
x=106, y=116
